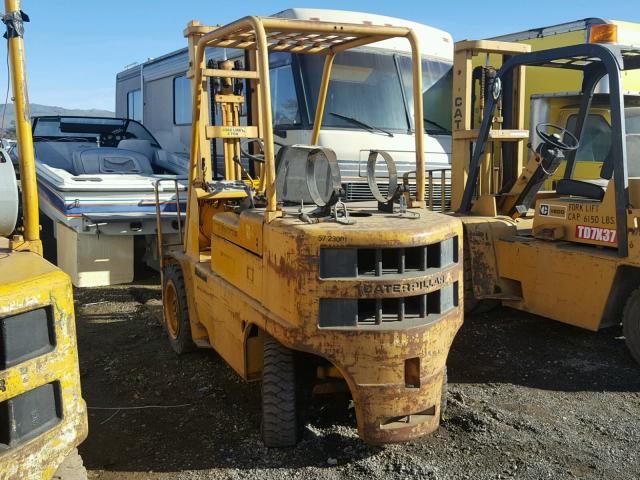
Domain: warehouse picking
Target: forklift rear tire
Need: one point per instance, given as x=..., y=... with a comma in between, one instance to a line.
x=631, y=324
x=471, y=303
x=279, y=406
x=175, y=311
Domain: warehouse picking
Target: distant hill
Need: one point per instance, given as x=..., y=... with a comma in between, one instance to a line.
x=38, y=110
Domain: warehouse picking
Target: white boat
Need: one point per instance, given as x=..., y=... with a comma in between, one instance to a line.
x=97, y=177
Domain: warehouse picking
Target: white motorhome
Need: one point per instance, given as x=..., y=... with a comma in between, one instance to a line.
x=369, y=103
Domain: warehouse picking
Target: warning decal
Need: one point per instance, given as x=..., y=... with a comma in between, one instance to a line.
x=596, y=233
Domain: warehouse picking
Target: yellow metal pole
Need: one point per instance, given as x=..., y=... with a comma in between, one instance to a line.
x=24, y=135
x=418, y=117
x=322, y=98
x=267, y=125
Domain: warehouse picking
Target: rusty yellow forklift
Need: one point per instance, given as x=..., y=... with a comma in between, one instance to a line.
x=284, y=280
x=571, y=254
x=42, y=414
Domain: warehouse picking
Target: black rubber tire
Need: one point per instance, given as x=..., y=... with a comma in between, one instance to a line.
x=443, y=396
x=631, y=324
x=279, y=406
x=471, y=303
x=183, y=341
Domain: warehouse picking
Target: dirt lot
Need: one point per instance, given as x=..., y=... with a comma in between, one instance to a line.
x=529, y=398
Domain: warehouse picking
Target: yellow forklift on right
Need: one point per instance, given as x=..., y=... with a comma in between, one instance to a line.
x=571, y=254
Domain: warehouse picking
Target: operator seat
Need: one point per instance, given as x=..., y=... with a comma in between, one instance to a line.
x=593, y=189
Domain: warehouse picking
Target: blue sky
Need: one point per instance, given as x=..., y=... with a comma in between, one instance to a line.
x=76, y=47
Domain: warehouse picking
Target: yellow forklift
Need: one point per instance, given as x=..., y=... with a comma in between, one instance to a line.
x=571, y=254
x=43, y=417
x=289, y=284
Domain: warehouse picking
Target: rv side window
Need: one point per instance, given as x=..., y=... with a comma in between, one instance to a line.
x=284, y=102
x=595, y=141
x=181, y=100
x=134, y=105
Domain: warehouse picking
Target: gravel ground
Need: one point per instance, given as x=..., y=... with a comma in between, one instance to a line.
x=529, y=398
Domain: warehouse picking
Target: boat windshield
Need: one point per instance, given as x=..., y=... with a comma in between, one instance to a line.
x=372, y=91
x=105, y=131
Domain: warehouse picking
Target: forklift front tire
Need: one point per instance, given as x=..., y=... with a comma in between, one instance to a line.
x=175, y=311
x=279, y=406
x=631, y=324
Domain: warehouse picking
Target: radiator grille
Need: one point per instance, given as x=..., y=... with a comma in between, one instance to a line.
x=379, y=262
x=394, y=265
x=360, y=192
x=409, y=310
x=29, y=414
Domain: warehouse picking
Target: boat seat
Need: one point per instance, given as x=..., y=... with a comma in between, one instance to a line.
x=110, y=160
x=594, y=189
x=137, y=145
x=60, y=154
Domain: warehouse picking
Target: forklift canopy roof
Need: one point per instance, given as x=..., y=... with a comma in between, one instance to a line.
x=299, y=36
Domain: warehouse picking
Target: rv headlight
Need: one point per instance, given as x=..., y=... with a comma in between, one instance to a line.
x=605, y=33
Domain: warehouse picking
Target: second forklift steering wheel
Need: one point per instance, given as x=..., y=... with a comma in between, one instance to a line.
x=555, y=139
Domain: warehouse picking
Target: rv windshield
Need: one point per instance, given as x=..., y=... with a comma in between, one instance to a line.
x=364, y=91
x=107, y=131
x=372, y=91
x=437, y=84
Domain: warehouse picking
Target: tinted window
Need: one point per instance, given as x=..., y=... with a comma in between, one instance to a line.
x=595, y=142
x=134, y=105
x=182, y=100
x=284, y=102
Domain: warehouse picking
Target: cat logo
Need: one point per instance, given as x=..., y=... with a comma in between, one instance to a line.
x=557, y=211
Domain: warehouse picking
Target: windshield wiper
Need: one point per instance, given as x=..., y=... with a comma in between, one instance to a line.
x=360, y=123
x=437, y=125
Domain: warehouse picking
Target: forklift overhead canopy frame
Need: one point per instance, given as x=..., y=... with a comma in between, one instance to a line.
x=267, y=34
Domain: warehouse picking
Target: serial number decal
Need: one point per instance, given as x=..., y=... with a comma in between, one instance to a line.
x=558, y=211
x=596, y=233
x=332, y=238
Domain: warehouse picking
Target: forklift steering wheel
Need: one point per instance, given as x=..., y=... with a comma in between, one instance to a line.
x=555, y=138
